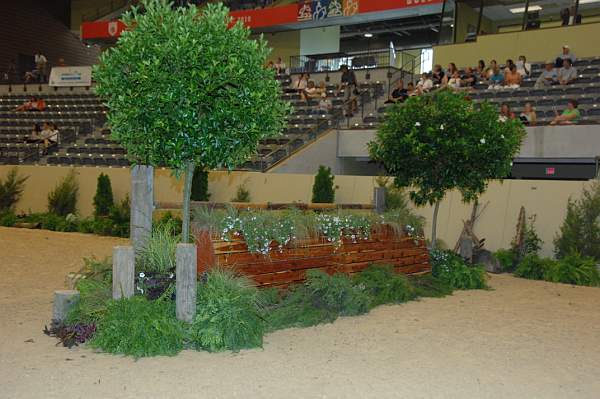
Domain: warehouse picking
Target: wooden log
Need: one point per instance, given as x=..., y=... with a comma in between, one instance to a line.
x=123, y=272
x=186, y=272
x=142, y=205
x=379, y=199
x=64, y=300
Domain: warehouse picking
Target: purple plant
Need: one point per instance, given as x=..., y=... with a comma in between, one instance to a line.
x=72, y=335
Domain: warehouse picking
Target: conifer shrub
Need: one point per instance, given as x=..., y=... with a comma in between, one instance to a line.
x=242, y=194
x=103, y=200
x=200, y=185
x=63, y=199
x=323, y=187
x=11, y=190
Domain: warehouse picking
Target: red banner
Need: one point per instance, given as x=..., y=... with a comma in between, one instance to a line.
x=101, y=29
x=272, y=16
x=384, y=5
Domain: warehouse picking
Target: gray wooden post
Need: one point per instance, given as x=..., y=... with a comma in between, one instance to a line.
x=123, y=272
x=379, y=199
x=63, y=302
x=186, y=271
x=142, y=205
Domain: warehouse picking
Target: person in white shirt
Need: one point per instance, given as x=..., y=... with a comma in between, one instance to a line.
x=566, y=54
x=523, y=67
x=40, y=65
x=302, y=82
x=325, y=104
x=425, y=83
x=279, y=66
x=454, y=82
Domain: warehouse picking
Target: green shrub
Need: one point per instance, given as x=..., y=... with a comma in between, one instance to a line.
x=535, y=268
x=8, y=219
x=11, y=190
x=103, y=200
x=507, y=259
x=242, y=194
x=384, y=285
x=200, y=185
x=323, y=187
x=575, y=269
x=228, y=314
x=452, y=269
x=425, y=285
x=94, y=295
x=139, y=327
x=158, y=255
x=63, y=199
x=173, y=221
x=119, y=215
x=580, y=231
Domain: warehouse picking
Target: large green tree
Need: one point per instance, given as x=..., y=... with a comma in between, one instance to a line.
x=443, y=141
x=186, y=87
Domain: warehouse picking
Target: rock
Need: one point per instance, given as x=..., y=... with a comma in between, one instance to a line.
x=489, y=262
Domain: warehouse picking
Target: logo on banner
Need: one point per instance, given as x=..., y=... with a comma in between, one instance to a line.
x=305, y=12
x=350, y=7
x=335, y=9
x=113, y=28
x=320, y=10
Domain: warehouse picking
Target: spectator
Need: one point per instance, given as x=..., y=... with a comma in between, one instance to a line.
x=49, y=134
x=569, y=116
x=454, y=82
x=280, y=67
x=548, y=77
x=480, y=71
x=40, y=65
x=348, y=84
x=523, y=67
x=270, y=65
x=490, y=70
x=399, y=93
x=322, y=88
x=507, y=66
x=528, y=116
x=505, y=113
x=567, y=74
x=33, y=104
x=311, y=91
x=437, y=75
x=512, y=79
x=567, y=16
x=61, y=62
x=468, y=79
x=410, y=89
x=424, y=84
x=325, y=104
x=496, y=79
x=449, y=73
x=566, y=54
x=302, y=82
x=35, y=135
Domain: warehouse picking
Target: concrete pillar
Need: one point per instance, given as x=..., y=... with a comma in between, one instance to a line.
x=379, y=199
x=186, y=272
x=64, y=300
x=123, y=272
x=142, y=205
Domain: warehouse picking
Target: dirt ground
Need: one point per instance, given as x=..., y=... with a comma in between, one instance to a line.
x=523, y=339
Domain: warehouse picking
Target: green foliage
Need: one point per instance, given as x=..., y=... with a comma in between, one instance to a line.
x=139, y=327
x=572, y=269
x=323, y=187
x=426, y=286
x=183, y=86
x=119, y=216
x=228, y=315
x=383, y=285
x=507, y=259
x=11, y=190
x=103, y=200
x=535, y=268
x=63, y=199
x=532, y=243
x=242, y=194
x=452, y=269
x=172, y=220
x=158, y=255
x=580, y=231
x=439, y=142
x=94, y=295
x=8, y=219
x=200, y=185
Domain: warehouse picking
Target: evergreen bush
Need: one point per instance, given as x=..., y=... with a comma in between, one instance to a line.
x=11, y=190
x=242, y=194
x=384, y=285
x=507, y=259
x=535, y=268
x=103, y=200
x=575, y=269
x=63, y=199
x=323, y=187
x=452, y=269
x=200, y=185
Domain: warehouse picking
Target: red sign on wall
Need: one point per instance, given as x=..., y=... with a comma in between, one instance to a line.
x=267, y=16
x=101, y=29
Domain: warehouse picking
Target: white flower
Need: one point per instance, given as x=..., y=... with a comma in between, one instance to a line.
x=501, y=136
x=442, y=126
x=171, y=275
x=142, y=275
x=417, y=124
x=482, y=141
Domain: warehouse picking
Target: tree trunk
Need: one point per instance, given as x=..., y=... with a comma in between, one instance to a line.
x=434, y=224
x=142, y=205
x=187, y=192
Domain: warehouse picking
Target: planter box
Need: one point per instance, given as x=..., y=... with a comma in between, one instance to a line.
x=282, y=268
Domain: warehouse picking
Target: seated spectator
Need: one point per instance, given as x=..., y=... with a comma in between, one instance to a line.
x=399, y=93
x=566, y=54
x=567, y=74
x=468, y=79
x=449, y=73
x=311, y=91
x=490, y=70
x=437, y=75
x=410, y=89
x=279, y=66
x=33, y=104
x=523, y=67
x=302, y=82
x=35, y=135
x=454, y=82
x=509, y=63
x=32, y=76
x=569, y=116
x=325, y=104
x=270, y=65
x=481, y=70
x=496, y=80
x=424, y=84
x=505, y=113
x=548, y=77
x=322, y=87
x=528, y=116
x=512, y=79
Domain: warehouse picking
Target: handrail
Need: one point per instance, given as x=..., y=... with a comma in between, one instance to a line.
x=113, y=6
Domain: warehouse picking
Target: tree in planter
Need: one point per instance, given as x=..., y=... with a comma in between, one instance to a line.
x=323, y=187
x=103, y=200
x=200, y=185
x=440, y=142
x=186, y=88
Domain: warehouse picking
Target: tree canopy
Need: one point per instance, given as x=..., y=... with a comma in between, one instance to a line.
x=443, y=141
x=186, y=85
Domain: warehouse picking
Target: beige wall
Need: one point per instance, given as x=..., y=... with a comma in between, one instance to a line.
x=537, y=45
x=284, y=45
x=466, y=16
x=547, y=199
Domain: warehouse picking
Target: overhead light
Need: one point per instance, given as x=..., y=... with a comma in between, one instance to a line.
x=368, y=34
x=521, y=10
x=588, y=1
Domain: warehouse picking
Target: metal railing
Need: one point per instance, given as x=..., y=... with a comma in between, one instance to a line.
x=112, y=6
x=332, y=62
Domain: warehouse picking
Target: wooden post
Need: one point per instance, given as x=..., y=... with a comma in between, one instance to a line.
x=186, y=272
x=123, y=272
x=379, y=199
x=142, y=205
x=63, y=302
